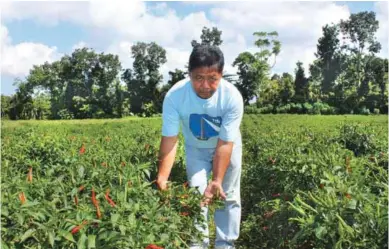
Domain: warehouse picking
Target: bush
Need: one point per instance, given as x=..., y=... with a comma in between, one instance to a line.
x=317, y=107
x=65, y=114
x=358, y=138
x=283, y=109
x=307, y=108
x=251, y=110
x=266, y=109
x=376, y=111
x=364, y=111
x=296, y=108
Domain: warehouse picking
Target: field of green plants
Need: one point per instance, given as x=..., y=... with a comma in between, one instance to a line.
x=307, y=182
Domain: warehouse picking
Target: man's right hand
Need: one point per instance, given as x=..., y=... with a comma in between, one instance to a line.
x=162, y=184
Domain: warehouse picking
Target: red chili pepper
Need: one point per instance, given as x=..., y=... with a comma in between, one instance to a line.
x=94, y=201
x=29, y=176
x=81, y=188
x=76, y=200
x=22, y=198
x=152, y=246
x=82, y=149
x=110, y=201
x=98, y=212
x=76, y=229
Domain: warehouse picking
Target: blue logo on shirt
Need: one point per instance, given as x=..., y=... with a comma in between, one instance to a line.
x=204, y=126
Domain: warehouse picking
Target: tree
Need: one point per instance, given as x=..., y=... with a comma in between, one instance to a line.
x=251, y=72
x=286, y=88
x=210, y=37
x=253, y=69
x=301, y=86
x=360, y=29
x=80, y=84
x=327, y=67
x=142, y=81
x=21, y=101
x=176, y=76
x=5, y=106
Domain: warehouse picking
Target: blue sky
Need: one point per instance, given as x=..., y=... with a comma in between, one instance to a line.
x=32, y=34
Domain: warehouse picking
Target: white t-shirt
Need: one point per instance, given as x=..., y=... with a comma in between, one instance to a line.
x=203, y=121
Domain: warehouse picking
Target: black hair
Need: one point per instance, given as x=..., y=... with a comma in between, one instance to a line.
x=206, y=56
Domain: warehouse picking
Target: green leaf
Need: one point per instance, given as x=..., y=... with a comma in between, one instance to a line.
x=30, y=204
x=51, y=238
x=91, y=241
x=20, y=218
x=352, y=204
x=67, y=235
x=4, y=245
x=132, y=220
x=122, y=229
x=320, y=232
x=27, y=234
x=164, y=238
x=114, y=218
x=82, y=241
x=81, y=172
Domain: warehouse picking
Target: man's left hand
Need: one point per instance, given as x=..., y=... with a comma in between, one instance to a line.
x=214, y=189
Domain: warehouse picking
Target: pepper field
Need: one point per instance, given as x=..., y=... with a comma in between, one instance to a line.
x=308, y=182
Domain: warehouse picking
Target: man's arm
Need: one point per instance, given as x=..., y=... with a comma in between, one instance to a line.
x=221, y=160
x=230, y=130
x=169, y=140
x=167, y=154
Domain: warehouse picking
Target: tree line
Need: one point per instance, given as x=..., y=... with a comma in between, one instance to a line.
x=346, y=77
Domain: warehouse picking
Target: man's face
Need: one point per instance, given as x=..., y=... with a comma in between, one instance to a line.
x=205, y=81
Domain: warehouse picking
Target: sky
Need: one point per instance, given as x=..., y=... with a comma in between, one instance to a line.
x=33, y=33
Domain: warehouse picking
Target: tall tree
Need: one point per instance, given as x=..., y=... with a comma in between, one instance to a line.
x=209, y=36
x=21, y=102
x=360, y=29
x=253, y=69
x=79, y=84
x=329, y=58
x=142, y=81
x=286, y=88
x=301, y=86
x=5, y=106
x=176, y=76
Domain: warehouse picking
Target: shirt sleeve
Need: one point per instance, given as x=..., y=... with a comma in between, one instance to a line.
x=232, y=119
x=170, y=118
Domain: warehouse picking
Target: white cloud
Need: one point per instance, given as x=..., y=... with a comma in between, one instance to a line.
x=80, y=44
x=47, y=12
x=299, y=25
x=123, y=50
x=381, y=9
x=18, y=59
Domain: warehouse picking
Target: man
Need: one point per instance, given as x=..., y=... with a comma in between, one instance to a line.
x=210, y=110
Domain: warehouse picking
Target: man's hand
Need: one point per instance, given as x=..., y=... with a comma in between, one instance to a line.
x=162, y=184
x=214, y=189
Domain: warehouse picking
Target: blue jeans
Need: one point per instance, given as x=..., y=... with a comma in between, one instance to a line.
x=199, y=169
